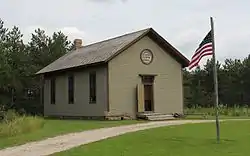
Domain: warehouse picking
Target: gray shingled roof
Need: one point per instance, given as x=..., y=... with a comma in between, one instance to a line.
x=105, y=50
x=93, y=53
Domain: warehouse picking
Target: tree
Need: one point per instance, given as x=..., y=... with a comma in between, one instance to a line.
x=43, y=49
x=19, y=87
x=245, y=83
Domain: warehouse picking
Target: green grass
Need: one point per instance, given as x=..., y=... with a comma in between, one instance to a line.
x=183, y=140
x=53, y=128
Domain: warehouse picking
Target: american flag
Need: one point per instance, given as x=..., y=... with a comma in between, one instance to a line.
x=205, y=48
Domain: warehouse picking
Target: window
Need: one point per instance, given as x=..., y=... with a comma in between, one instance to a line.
x=147, y=79
x=53, y=91
x=71, y=89
x=42, y=95
x=92, y=87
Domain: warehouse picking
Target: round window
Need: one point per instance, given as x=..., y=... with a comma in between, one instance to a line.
x=146, y=56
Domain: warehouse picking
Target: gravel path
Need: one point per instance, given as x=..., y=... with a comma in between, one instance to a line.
x=65, y=142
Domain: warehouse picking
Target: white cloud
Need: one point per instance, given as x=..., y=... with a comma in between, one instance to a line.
x=73, y=32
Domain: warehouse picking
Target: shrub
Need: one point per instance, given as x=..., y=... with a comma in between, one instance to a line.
x=226, y=112
x=15, y=124
x=237, y=110
x=10, y=115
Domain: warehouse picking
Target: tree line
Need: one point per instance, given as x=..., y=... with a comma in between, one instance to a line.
x=19, y=61
x=20, y=87
x=233, y=84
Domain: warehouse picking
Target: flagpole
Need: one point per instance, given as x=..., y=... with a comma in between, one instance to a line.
x=215, y=83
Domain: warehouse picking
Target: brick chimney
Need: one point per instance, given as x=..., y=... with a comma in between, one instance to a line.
x=77, y=43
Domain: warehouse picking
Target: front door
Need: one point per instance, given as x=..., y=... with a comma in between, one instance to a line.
x=145, y=94
x=148, y=97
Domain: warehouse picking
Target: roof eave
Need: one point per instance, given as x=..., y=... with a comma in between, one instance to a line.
x=71, y=68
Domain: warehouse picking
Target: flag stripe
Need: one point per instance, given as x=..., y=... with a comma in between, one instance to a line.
x=200, y=49
x=205, y=48
x=203, y=51
x=196, y=64
x=201, y=55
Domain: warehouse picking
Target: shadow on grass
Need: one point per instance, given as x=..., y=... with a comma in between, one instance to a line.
x=189, y=141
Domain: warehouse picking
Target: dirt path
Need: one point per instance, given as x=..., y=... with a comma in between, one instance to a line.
x=65, y=142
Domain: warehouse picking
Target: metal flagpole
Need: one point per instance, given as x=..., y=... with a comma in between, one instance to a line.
x=215, y=83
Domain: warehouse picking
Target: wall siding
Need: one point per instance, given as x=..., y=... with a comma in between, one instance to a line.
x=124, y=76
x=81, y=106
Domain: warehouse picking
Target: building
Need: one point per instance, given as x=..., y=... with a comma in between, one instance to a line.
x=135, y=72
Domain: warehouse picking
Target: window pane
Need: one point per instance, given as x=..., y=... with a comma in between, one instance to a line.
x=52, y=91
x=92, y=87
x=71, y=89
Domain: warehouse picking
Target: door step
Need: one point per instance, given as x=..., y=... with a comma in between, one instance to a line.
x=152, y=116
x=160, y=117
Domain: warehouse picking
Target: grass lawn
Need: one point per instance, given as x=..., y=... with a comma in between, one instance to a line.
x=53, y=128
x=182, y=140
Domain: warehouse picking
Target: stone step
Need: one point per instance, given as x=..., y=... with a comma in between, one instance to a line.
x=153, y=116
x=160, y=117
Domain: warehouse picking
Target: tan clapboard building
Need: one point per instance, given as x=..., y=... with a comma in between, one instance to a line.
x=135, y=72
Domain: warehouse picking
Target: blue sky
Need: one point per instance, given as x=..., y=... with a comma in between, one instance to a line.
x=182, y=23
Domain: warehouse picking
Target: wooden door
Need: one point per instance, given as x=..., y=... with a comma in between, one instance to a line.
x=140, y=98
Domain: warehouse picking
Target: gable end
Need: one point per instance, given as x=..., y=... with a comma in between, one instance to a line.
x=167, y=47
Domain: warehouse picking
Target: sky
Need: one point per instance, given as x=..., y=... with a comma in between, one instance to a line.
x=182, y=23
